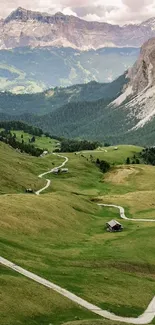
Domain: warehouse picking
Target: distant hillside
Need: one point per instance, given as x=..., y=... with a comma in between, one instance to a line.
x=96, y=120
x=118, y=112
x=27, y=70
x=46, y=102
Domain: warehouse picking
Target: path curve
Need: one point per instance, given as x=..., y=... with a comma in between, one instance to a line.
x=145, y=318
x=49, y=172
x=122, y=213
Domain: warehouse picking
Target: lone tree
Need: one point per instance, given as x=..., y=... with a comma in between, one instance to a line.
x=33, y=139
x=128, y=161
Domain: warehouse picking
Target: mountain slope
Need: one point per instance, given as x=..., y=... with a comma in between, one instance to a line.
x=118, y=112
x=27, y=28
x=18, y=172
x=46, y=102
x=27, y=70
x=129, y=118
x=139, y=93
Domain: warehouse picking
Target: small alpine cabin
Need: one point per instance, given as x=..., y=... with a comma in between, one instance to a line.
x=64, y=170
x=114, y=226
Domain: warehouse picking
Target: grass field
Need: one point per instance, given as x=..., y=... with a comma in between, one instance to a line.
x=116, y=157
x=61, y=236
x=19, y=171
x=43, y=142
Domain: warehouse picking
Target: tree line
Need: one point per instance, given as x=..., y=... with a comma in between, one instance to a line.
x=133, y=160
x=10, y=139
x=148, y=156
x=18, y=125
x=75, y=145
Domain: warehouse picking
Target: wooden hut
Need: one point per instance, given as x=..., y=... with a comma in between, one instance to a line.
x=114, y=226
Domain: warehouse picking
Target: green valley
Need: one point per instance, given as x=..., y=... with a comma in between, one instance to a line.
x=61, y=236
x=77, y=163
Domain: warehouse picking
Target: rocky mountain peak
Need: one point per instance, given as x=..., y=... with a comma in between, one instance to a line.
x=142, y=75
x=36, y=29
x=23, y=15
x=138, y=95
x=18, y=14
x=149, y=23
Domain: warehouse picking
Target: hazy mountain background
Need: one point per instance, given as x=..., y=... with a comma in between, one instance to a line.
x=35, y=29
x=39, y=51
x=34, y=70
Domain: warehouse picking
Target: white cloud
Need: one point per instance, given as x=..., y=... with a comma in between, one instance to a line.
x=137, y=5
x=112, y=11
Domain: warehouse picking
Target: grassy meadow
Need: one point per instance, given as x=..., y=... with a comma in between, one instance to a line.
x=116, y=157
x=61, y=236
x=40, y=142
x=20, y=171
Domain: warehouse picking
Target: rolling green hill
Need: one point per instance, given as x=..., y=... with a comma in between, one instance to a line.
x=20, y=171
x=26, y=70
x=113, y=156
x=61, y=236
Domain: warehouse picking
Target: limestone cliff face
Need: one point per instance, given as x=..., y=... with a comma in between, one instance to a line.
x=138, y=95
x=27, y=28
x=142, y=75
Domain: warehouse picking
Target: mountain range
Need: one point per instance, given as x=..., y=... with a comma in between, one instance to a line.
x=118, y=112
x=39, y=51
x=34, y=29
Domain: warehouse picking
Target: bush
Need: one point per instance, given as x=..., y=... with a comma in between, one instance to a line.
x=128, y=161
x=103, y=165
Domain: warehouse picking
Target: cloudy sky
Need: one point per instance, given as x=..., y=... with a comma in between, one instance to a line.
x=112, y=11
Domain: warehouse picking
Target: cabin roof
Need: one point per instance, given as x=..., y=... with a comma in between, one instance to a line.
x=113, y=223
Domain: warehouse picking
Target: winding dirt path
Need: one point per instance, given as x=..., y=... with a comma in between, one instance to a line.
x=49, y=172
x=122, y=213
x=145, y=318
